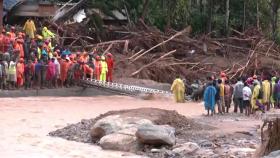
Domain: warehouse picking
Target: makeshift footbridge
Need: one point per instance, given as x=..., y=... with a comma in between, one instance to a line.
x=120, y=88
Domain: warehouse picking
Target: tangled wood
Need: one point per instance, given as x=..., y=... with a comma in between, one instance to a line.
x=241, y=54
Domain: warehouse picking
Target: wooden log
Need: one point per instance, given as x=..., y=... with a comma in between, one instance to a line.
x=145, y=66
x=172, y=37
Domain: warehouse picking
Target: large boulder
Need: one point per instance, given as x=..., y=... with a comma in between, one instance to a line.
x=120, y=142
x=115, y=123
x=105, y=126
x=156, y=134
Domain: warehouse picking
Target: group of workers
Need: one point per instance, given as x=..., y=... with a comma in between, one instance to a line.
x=29, y=59
x=247, y=94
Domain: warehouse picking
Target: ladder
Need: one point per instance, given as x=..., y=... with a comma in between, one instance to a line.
x=123, y=88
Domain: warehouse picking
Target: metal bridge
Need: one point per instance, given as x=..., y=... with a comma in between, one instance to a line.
x=121, y=88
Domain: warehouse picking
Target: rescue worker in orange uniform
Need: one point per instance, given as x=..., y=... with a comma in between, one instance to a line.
x=19, y=46
x=97, y=65
x=20, y=73
x=2, y=39
x=13, y=33
x=110, y=64
x=64, y=67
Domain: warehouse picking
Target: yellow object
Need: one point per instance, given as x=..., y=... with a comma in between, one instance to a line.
x=29, y=28
x=266, y=91
x=178, y=89
x=255, y=95
x=39, y=53
x=222, y=90
x=47, y=34
x=104, y=70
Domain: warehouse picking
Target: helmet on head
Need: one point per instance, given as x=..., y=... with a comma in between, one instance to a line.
x=223, y=74
x=3, y=31
x=109, y=55
x=13, y=28
x=102, y=57
x=97, y=57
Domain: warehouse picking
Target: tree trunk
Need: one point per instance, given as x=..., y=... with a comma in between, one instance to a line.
x=274, y=9
x=210, y=15
x=145, y=9
x=244, y=15
x=1, y=14
x=258, y=15
x=227, y=18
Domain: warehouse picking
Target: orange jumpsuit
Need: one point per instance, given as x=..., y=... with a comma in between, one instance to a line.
x=20, y=74
x=64, y=70
x=97, y=71
x=19, y=46
x=110, y=64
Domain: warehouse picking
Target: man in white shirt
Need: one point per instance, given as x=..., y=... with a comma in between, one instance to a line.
x=247, y=93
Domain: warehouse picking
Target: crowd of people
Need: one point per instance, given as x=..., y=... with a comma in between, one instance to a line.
x=248, y=94
x=29, y=59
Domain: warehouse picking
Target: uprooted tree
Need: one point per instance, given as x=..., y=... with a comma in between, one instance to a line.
x=211, y=44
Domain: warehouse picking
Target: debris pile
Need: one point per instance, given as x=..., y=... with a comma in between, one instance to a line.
x=145, y=52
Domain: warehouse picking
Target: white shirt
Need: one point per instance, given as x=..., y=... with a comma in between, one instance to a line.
x=247, y=93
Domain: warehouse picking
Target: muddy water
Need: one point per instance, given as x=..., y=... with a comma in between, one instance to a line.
x=25, y=123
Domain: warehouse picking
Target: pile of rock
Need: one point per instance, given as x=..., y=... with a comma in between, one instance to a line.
x=130, y=134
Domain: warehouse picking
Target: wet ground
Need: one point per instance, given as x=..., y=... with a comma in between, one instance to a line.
x=26, y=122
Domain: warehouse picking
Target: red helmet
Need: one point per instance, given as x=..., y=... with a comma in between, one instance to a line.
x=223, y=74
x=13, y=28
x=97, y=57
x=3, y=31
x=109, y=55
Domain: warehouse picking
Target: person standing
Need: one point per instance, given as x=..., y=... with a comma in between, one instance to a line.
x=104, y=69
x=29, y=28
x=247, y=94
x=266, y=93
x=277, y=93
x=28, y=74
x=238, y=96
x=50, y=76
x=256, y=98
x=228, y=95
x=209, y=98
x=178, y=89
x=97, y=67
x=64, y=71
x=221, y=107
x=20, y=73
x=110, y=63
x=272, y=96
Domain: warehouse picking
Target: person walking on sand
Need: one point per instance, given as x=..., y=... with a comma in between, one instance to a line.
x=178, y=89
x=209, y=98
x=247, y=93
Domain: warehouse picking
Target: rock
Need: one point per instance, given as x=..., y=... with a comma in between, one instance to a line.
x=105, y=126
x=274, y=154
x=113, y=124
x=206, y=144
x=186, y=148
x=156, y=134
x=119, y=142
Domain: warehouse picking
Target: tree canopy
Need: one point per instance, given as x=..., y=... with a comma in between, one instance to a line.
x=218, y=17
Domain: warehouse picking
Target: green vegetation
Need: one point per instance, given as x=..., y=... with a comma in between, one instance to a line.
x=218, y=17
